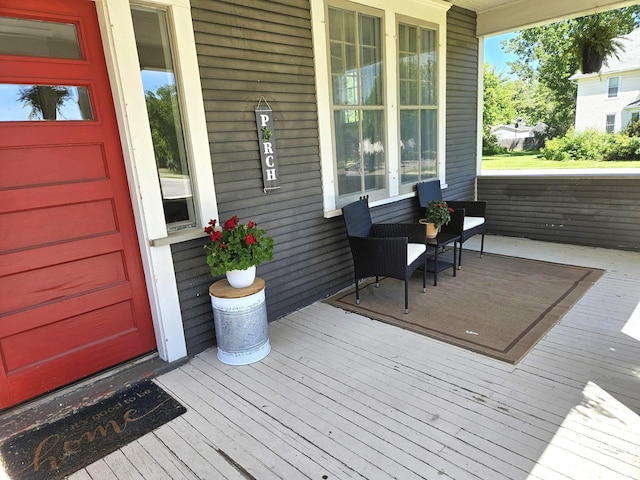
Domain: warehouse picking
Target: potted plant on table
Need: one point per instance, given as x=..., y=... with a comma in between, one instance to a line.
x=437, y=213
x=236, y=250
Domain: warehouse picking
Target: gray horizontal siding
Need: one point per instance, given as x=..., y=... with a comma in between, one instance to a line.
x=247, y=50
x=462, y=102
x=252, y=48
x=599, y=211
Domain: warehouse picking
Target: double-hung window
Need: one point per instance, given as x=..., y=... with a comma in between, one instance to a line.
x=610, y=123
x=418, y=69
x=381, y=105
x=613, y=86
x=357, y=101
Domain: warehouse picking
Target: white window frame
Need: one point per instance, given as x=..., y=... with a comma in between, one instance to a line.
x=155, y=242
x=424, y=25
x=617, y=92
x=432, y=11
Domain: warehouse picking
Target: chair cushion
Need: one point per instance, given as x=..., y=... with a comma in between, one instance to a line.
x=414, y=250
x=472, y=222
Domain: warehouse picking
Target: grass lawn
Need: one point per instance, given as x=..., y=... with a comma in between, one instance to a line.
x=531, y=160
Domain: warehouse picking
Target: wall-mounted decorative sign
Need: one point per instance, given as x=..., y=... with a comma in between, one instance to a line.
x=266, y=138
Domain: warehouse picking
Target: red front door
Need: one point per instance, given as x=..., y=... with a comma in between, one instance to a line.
x=73, y=296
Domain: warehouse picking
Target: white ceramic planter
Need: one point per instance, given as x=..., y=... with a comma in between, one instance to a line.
x=241, y=278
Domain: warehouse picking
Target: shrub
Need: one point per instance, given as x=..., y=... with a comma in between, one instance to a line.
x=633, y=129
x=490, y=145
x=622, y=147
x=576, y=146
x=592, y=145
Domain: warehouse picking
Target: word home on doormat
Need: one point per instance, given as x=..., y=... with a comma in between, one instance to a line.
x=60, y=448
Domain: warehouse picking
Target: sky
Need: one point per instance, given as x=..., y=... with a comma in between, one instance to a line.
x=493, y=53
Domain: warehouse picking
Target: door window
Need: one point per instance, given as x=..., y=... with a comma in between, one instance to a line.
x=44, y=102
x=36, y=38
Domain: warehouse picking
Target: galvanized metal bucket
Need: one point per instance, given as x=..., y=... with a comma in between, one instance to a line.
x=241, y=327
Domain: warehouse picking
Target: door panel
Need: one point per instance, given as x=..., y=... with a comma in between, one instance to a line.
x=73, y=289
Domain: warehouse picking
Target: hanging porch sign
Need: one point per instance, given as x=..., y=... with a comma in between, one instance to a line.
x=266, y=139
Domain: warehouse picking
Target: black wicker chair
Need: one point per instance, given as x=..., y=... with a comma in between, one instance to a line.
x=388, y=250
x=474, y=213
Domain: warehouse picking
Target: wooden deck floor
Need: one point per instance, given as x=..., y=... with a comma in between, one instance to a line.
x=341, y=397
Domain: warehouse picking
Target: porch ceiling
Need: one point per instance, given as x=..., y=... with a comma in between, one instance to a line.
x=502, y=16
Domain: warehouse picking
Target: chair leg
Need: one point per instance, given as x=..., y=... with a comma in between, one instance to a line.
x=424, y=276
x=406, y=295
x=482, y=245
x=377, y=282
x=357, y=292
x=460, y=256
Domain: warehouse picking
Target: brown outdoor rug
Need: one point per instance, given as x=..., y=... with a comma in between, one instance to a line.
x=499, y=306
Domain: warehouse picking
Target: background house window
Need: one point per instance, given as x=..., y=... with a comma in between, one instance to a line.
x=635, y=116
x=163, y=108
x=417, y=66
x=613, y=87
x=611, y=123
x=357, y=101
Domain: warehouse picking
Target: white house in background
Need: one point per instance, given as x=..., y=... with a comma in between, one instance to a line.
x=519, y=136
x=607, y=101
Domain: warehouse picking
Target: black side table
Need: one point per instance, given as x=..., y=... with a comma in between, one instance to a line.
x=440, y=241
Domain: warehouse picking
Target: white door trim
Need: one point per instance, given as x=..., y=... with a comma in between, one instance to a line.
x=128, y=94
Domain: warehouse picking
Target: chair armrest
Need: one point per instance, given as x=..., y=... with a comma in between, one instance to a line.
x=456, y=224
x=414, y=232
x=472, y=208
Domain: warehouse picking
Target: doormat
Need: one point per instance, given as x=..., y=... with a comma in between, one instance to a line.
x=60, y=448
x=497, y=305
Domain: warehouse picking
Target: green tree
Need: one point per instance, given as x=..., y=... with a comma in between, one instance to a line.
x=498, y=98
x=505, y=100
x=162, y=107
x=547, y=58
x=45, y=100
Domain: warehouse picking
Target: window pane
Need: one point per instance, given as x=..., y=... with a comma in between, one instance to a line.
x=344, y=73
x=349, y=165
x=409, y=146
x=361, y=164
x=373, y=151
x=36, y=38
x=408, y=65
x=44, y=102
x=370, y=60
x=428, y=70
x=428, y=143
x=161, y=93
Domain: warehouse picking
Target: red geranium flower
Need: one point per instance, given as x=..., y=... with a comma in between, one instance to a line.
x=231, y=223
x=236, y=246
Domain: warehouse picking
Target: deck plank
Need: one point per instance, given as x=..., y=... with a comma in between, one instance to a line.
x=345, y=397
